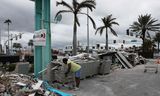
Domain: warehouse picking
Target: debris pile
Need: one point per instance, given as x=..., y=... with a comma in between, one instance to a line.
x=21, y=85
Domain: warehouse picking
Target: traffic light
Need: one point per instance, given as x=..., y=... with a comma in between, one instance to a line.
x=114, y=41
x=127, y=31
x=124, y=41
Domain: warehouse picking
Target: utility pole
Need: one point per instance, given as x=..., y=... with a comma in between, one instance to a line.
x=87, y=31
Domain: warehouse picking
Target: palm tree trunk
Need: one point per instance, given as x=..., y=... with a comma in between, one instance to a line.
x=143, y=39
x=106, y=40
x=74, y=36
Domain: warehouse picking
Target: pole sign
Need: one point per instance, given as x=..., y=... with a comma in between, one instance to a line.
x=39, y=37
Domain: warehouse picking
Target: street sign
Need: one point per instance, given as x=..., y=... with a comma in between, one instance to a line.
x=39, y=38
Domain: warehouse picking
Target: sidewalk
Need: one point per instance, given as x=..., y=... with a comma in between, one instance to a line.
x=132, y=82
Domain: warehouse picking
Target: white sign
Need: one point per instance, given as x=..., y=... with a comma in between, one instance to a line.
x=40, y=37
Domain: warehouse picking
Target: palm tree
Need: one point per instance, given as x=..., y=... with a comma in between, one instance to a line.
x=157, y=39
x=145, y=24
x=30, y=43
x=17, y=46
x=108, y=22
x=75, y=9
x=8, y=21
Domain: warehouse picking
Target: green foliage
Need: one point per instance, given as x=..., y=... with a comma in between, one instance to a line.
x=145, y=24
x=157, y=37
x=148, y=45
x=17, y=45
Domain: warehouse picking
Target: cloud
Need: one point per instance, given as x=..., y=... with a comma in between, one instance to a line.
x=21, y=12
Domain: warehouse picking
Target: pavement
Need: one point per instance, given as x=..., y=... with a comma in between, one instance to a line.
x=122, y=82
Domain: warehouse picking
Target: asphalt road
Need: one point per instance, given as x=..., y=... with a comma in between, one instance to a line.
x=122, y=82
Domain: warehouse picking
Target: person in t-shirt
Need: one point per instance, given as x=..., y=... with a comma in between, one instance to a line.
x=75, y=68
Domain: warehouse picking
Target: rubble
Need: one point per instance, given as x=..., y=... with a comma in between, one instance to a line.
x=23, y=85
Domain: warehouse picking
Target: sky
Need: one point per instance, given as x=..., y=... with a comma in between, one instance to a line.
x=21, y=13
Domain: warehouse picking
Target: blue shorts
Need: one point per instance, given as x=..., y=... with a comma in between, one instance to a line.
x=78, y=73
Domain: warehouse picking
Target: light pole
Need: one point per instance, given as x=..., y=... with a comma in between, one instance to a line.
x=8, y=21
x=87, y=31
x=0, y=36
x=11, y=42
x=0, y=41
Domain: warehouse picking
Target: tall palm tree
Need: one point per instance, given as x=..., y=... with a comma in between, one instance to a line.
x=145, y=24
x=157, y=39
x=108, y=22
x=75, y=9
x=30, y=43
x=8, y=21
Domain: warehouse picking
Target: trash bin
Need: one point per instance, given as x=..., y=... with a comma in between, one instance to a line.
x=22, y=67
x=105, y=66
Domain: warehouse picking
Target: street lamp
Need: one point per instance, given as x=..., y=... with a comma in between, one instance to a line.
x=8, y=21
x=87, y=31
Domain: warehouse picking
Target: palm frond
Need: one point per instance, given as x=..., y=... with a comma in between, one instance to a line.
x=155, y=24
x=152, y=21
x=154, y=30
x=108, y=18
x=62, y=11
x=63, y=3
x=103, y=20
x=75, y=5
x=114, y=33
x=145, y=22
x=93, y=23
x=148, y=35
x=115, y=23
x=87, y=4
x=99, y=28
x=112, y=19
